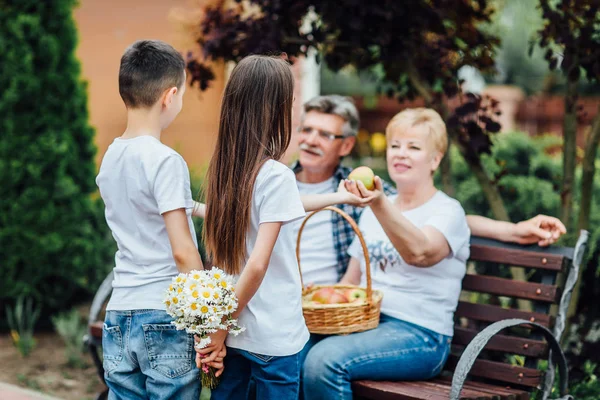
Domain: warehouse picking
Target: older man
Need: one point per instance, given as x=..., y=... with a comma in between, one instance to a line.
x=327, y=134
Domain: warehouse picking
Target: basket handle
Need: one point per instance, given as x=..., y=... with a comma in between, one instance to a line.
x=358, y=234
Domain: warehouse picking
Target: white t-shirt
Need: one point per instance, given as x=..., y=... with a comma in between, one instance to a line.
x=318, y=256
x=139, y=180
x=423, y=296
x=273, y=318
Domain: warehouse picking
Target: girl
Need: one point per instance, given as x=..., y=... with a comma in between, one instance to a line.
x=251, y=198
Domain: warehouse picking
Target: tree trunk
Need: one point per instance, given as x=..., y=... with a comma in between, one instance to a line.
x=494, y=199
x=587, y=182
x=490, y=191
x=588, y=168
x=569, y=153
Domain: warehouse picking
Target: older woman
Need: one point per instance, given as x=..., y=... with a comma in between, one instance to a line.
x=418, y=242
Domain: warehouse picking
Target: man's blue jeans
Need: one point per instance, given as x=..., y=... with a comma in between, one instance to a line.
x=395, y=350
x=276, y=378
x=145, y=357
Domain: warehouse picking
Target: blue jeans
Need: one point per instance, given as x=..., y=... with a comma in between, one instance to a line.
x=395, y=350
x=276, y=378
x=145, y=357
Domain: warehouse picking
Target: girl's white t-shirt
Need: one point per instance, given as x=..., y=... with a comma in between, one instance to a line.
x=273, y=318
x=423, y=296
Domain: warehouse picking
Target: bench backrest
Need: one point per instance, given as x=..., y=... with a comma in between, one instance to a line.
x=490, y=294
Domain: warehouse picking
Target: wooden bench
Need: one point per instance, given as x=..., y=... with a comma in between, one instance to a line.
x=501, y=366
x=553, y=274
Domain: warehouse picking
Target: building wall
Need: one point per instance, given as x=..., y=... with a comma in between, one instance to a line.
x=106, y=28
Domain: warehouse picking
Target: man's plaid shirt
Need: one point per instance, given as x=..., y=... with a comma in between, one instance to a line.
x=343, y=234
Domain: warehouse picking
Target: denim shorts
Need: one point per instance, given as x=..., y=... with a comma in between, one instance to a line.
x=145, y=357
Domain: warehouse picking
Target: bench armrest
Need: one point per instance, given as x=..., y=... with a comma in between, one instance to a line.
x=565, y=302
x=89, y=340
x=100, y=297
x=478, y=343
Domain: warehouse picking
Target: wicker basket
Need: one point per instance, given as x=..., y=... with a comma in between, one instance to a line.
x=344, y=317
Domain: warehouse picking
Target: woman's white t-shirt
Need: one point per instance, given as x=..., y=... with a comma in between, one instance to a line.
x=273, y=318
x=423, y=296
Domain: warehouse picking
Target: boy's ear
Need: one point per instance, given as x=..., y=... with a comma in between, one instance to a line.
x=168, y=96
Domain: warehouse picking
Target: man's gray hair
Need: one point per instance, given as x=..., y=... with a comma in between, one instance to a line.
x=341, y=106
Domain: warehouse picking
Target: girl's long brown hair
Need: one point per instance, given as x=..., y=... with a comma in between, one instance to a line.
x=255, y=125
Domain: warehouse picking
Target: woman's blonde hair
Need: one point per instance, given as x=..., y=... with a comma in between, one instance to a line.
x=428, y=117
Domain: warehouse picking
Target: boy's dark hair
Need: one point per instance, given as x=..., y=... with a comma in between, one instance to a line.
x=148, y=68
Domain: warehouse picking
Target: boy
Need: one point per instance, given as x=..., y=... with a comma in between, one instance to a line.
x=145, y=186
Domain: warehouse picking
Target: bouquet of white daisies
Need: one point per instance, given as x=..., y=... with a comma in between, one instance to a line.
x=201, y=302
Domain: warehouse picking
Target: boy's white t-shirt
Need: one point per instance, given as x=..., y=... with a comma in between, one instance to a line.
x=318, y=257
x=423, y=296
x=273, y=318
x=139, y=180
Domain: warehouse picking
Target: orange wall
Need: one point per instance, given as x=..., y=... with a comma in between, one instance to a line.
x=106, y=28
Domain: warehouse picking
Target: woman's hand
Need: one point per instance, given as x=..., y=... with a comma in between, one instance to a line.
x=358, y=189
x=350, y=195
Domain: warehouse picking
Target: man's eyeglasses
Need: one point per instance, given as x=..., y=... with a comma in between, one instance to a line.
x=324, y=135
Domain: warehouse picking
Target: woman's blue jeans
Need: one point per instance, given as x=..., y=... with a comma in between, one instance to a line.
x=145, y=357
x=395, y=350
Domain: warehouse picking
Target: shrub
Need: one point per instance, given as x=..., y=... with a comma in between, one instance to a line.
x=71, y=328
x=21, y=321
x=527, y=178
x=52, y=245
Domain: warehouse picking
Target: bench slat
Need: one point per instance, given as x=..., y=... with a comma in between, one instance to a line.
x=507, y=392
x=438, y=388
x=407, y=390
x=502, y=372
x=467, y=391
x=384, y=390
x=490, y=313
x=465, y=394
x=505, y=343
x=524, y=258
x=510, y=288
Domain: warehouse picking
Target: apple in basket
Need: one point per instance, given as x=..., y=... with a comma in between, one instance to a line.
x=337, y=298
x=356, y=294
x=322, y=295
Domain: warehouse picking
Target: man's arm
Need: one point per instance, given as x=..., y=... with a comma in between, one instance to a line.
x=199, y=210
x=542, y=229
x=185, y=253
